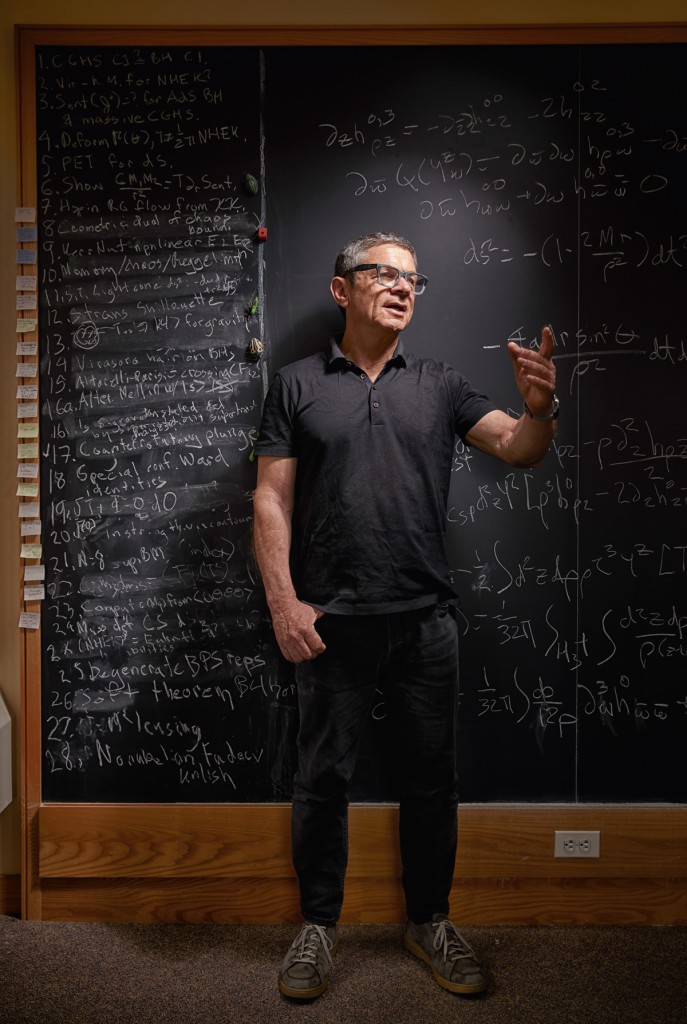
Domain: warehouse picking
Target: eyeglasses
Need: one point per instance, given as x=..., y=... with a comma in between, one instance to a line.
x=388, y=276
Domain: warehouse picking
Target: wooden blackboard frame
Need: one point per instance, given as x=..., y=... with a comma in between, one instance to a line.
x=231, y=862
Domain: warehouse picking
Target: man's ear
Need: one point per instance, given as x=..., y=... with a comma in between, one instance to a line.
x=339, y=289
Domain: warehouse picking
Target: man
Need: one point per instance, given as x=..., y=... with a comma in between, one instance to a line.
x=355, y=449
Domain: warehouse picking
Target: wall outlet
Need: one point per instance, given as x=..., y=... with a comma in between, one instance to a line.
x=577, y=844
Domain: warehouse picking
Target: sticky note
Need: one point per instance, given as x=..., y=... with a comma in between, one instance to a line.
x=27, y=369
x=25, y=213
x=27, y=470
x=26, y=256
x=27, y=283
x=27, y=234
x=31, y=551
x=29, y=620
x=27, y=392
x=27, y=430
x=35, y=593
x=31, y=528
x=29, y=510
x=26, y=325
x=34, y=572
x=27, y=450
x=27, y=490
x=27, y=410
x=27, y=348
x=26, y=301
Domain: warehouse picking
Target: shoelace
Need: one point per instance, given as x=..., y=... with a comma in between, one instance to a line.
x=307, y=943
x=451, y=943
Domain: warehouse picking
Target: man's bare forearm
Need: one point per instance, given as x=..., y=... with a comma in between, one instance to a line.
x=272, y=540
x=293, y=620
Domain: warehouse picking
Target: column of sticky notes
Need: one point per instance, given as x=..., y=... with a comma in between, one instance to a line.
x=27, y=416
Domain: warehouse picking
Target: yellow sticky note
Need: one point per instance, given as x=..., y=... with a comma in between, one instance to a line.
x=27, y=430
x=31, y=551
x=25, y=490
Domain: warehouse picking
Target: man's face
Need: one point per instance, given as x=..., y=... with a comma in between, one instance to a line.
x=368, y=303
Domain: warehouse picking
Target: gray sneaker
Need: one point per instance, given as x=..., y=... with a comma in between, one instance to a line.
x=307, y=965
x=452, y=959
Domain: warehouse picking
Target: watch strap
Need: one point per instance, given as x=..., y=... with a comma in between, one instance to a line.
x=549, y=416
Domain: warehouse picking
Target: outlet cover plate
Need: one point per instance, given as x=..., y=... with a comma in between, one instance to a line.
x=577, y=844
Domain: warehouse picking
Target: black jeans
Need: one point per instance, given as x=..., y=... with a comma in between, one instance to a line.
x=417, y=653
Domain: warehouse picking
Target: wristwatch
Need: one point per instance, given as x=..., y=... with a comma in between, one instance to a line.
x=543, y=419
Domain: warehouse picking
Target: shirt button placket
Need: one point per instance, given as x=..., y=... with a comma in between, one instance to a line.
x=374, y=401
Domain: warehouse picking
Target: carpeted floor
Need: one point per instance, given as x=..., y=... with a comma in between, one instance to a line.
x=188, y=974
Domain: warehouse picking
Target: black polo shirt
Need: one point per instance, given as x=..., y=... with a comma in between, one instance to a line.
x=374, y=464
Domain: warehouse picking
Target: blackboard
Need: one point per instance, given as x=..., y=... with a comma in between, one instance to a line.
x=538, y=185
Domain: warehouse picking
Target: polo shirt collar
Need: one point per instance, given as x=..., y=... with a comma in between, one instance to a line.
x=336, y=357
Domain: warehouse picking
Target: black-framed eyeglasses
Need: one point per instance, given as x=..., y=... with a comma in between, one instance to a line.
x=388, y=276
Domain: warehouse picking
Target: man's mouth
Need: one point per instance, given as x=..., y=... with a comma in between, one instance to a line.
x=397, y=307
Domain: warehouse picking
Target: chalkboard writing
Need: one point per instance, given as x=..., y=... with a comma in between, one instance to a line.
x=159, y=677
x=538, y=185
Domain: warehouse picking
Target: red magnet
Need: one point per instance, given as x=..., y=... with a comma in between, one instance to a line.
x=262, y=235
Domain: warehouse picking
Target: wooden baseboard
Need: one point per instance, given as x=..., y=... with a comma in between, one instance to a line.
x=10, y=895
x=489, y=901
x=231, y=864
x=570, y=901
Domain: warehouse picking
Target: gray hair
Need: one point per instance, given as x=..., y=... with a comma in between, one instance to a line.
x=355, y=252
